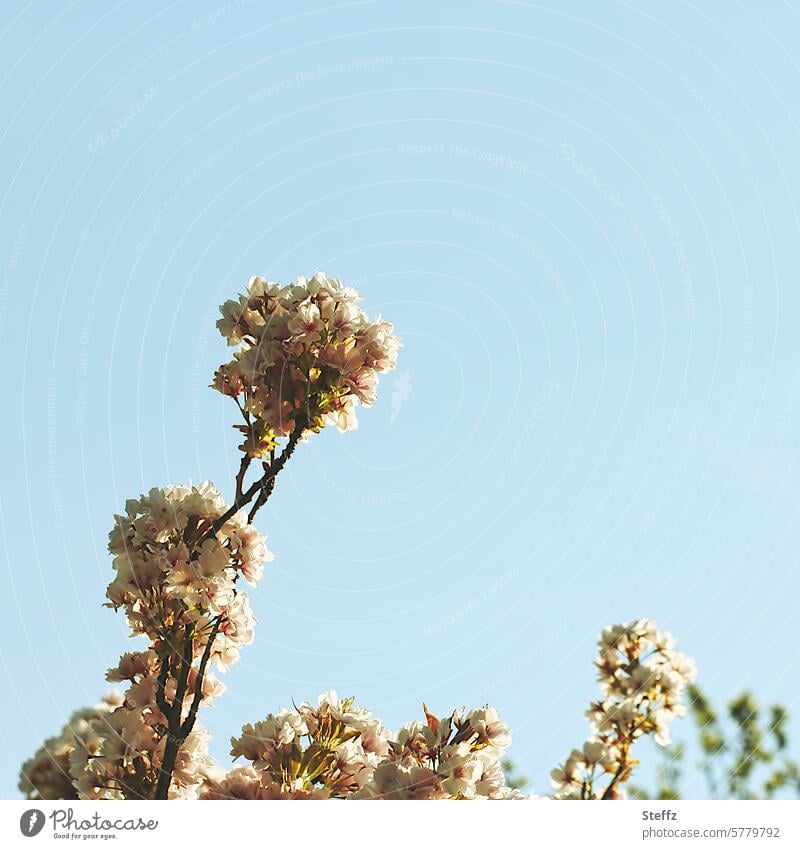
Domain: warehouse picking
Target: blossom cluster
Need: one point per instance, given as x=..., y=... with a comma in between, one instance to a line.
x=174, y=571
x=337, y=750
x=643, y=680
x=177, y=580
x=458, y=757
x=119, y=754
x=314, y=752
x=307, y=355
x=47, y=774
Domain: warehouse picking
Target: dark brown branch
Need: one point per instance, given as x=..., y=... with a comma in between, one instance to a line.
x=177, y=730
x=243, y=466
x=242, y=501
x=174, y=713
x=188, y=723
x=246, y=460
x=247, y=496
x=263, y=495
x=183, y=676
x=161, y=700
x=268, y=481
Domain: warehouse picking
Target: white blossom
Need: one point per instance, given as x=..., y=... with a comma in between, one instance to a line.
x=643, y=681
x=306, y=353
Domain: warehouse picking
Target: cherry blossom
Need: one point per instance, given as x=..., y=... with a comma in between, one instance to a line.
x=307, y=355
x=643, y=680
x=47, y=774
x=336, y=749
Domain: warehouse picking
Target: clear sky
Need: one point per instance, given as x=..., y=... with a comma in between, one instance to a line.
x=582, y=219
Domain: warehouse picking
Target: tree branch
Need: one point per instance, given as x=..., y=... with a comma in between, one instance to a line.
x=268, y=481
x=179, y=730
x=247, y=496
x=161, y=700
x=183, y=676
x=173, y=713
x=188, y=723
x=243, y=466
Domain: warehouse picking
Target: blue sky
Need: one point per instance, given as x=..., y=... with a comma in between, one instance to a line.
x=582, y=221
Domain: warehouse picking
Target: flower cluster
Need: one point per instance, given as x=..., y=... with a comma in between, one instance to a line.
x=178, y=558
x=337, y=750
x=453, y=758
x=175, y=571
x=643, y=680
x=322, y=752
x=46, y=775
x=307, y=356
x=119, y=755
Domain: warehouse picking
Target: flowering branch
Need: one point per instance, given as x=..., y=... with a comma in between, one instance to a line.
x=306, y=356
x=338, y=750
x=643, y=681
